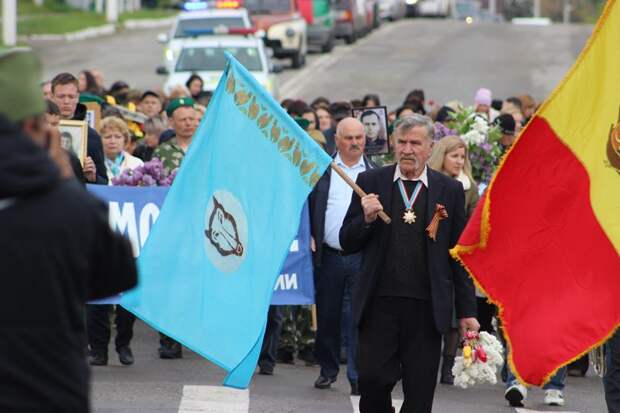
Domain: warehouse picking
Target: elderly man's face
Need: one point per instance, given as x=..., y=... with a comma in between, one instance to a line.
x=66, y=97
x=412, y=150
x=350, y=139
x=184, y=122
x=372, y=126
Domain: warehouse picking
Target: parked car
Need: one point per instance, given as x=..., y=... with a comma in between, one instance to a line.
x=373, y=17
x=205, y=57
x=434, y=8
x=411, y=8
x=392, y=9
x=285, y=29
x=321, y=25
x=351, y=19
x=196, y=23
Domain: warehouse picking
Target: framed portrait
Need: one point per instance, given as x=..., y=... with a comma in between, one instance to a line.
x=376, y=128
x=93, y=115
x=74, y=137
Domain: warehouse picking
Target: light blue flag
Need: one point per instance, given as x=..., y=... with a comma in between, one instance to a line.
x=208, y=268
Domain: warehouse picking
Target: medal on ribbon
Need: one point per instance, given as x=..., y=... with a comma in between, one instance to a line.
x=409, y=216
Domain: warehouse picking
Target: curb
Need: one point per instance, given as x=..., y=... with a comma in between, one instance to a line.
x=148, y=23
x=105, y=30
x=89, y=33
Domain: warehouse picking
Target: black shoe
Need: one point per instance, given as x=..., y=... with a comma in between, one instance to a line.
x=172, y=351
x=265, y=371
x=324, y=382
x=355, y=390
x=125, y=356
x=446, y=370
x=98, y=359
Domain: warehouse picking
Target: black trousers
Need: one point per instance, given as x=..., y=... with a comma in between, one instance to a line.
x=98, y=326
x=336, y=275
x=486, y=312
x=612, y=376
x=269, y=349
x=398, y=339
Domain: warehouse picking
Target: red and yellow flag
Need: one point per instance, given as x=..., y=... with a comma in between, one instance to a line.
x=544, y=242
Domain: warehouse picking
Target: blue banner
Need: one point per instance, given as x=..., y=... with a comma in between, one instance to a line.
x=133, y=210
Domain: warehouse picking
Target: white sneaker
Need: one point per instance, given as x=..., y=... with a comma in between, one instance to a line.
x=554, y=397
x=516, y=395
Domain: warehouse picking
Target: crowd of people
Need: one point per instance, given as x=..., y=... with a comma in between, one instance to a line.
x=166, y=134
x=418, y=129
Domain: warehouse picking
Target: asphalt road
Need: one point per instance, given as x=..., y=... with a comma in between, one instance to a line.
x=193, y=384
x=448, y=59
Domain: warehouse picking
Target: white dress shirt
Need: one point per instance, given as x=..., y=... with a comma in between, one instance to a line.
x=423, y=176
x=338, y=200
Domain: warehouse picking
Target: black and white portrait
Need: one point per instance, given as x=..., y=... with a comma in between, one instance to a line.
x=74, y=137
x=375, y=126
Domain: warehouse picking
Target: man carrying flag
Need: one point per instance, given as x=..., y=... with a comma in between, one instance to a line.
x=211, y=261
x=544, y=242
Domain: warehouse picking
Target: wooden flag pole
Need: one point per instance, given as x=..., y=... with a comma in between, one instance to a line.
x=314, y=320
x=359, y=191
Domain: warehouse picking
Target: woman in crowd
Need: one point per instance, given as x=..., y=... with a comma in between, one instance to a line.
x=115, y=137
x=450, y=157
x=88, y=85
x=310, y=115
x=325, y=119
x=320, y=102
x=194, y=84
x=528, y=107
x=371, y=100
x=512, y=109
x=153, y=128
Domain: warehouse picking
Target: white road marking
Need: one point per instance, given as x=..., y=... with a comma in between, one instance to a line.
x=355, y=402
x=214, y=399
x=522, y=410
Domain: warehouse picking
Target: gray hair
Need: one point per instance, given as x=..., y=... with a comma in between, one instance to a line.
x=406, y=123
x=154, y=125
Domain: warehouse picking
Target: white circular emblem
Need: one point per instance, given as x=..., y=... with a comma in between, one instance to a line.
x=226, y=231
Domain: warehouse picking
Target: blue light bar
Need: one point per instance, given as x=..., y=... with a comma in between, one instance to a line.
x=219, y=30
x=196, y=5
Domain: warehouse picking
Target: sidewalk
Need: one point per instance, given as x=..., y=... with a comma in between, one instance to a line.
x=60, y=22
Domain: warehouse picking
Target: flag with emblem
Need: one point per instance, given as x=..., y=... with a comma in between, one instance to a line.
x=209, y=266
x=544, y=241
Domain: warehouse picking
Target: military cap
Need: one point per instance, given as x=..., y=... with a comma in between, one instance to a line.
x=20, y=90
x=302, y=122
x=179, y=103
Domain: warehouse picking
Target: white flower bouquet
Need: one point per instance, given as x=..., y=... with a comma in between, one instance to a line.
x=482, y=140
x=482, y=357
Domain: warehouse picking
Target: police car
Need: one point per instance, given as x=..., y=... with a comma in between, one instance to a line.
x=193, y=23
x=205, y=56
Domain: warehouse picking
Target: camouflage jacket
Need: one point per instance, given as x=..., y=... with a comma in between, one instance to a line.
x=170, y=154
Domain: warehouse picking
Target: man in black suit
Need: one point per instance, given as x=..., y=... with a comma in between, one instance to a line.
x=612, y=374
x=404, y=297
x=335, y=273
